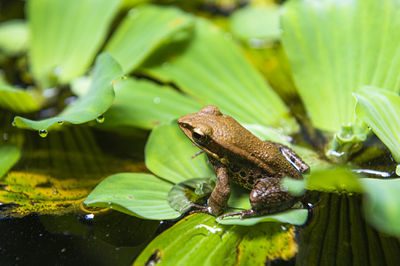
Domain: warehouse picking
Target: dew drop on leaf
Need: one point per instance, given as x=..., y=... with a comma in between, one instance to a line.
x=60, y=122
x=100, y=119
x=43, y=133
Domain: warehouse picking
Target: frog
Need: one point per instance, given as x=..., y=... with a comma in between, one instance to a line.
x=239, y=156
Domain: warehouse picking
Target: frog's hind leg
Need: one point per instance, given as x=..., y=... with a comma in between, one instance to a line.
x=266, y=197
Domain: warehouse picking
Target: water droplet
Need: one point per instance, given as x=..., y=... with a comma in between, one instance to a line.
x=100, y=119
x=43, y=133
x=156, y=100
x=109, y=203
x=60, y=122
x=5, y=136
x=14, y=124
x=89, y=216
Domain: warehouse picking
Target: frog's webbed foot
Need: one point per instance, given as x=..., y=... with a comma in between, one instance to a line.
x=242, y=214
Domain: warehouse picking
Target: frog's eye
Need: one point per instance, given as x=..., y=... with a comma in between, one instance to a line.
x=199, y=136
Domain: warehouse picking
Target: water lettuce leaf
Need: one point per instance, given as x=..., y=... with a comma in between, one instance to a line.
x=138, y=194
x=9, y=155
x=256, y=25
x=380, y=109
x=199, y=240
x=19, y=100
x=145, y=104
x=59, y=48
x=14, y=37
x=292, y=216
x=87, y=108
x=337, y=46
x=143, y=30
x=332, y=180
x=381, y=204
x=169, y=152
x=211, y=67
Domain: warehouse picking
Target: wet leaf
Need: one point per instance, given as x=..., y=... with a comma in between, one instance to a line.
x=381, y=204
x=199, y=240
x=144, y=104
x=221, y=76
x=137, y=194
x=9, y=155
x=13, y=37
x=335, y=47
x=87, y=108
x=143, y=30
x=169, y=155
x=63, y=49
x=182, y=196
x=380, y=109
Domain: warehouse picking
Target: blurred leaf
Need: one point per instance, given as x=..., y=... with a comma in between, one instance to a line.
x=380, y=109
x=335, y=179
x=257, y=26
x=335, y=47
x=9, y=155
x=198, y=240
x=137, y=194
x=19, y=100
x=143, y=30
x=145, y=104
x=291, y=216
x=212, y=69
x=169, y=152
x=14, y=37
x=66, y=35
x=91, y=106
x=381, y=204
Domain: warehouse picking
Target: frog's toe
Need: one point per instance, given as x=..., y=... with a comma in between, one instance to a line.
x=242, y=214
x=201, y=209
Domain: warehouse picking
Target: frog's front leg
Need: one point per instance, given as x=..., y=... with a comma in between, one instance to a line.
x=220, y=195
x=266, y=197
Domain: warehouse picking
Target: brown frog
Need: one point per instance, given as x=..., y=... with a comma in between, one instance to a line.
x=250, y=162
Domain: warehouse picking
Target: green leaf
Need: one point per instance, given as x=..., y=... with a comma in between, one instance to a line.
x=169, y=152
x=66, y=35
x=381, y=204
x=142, y=195
x=212, y=69
x=143, y=30
x=333, y=180
x=380, y=109
x=184, y=195
x=198, y=240
x=336, y=46
x=9, y=155
x=292, y=216
x=256, y=25
x=92, y=105
x=19, y=100
x=13, y=37
x=145, y=104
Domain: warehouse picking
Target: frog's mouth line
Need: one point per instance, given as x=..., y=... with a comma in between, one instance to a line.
x=188, y=130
